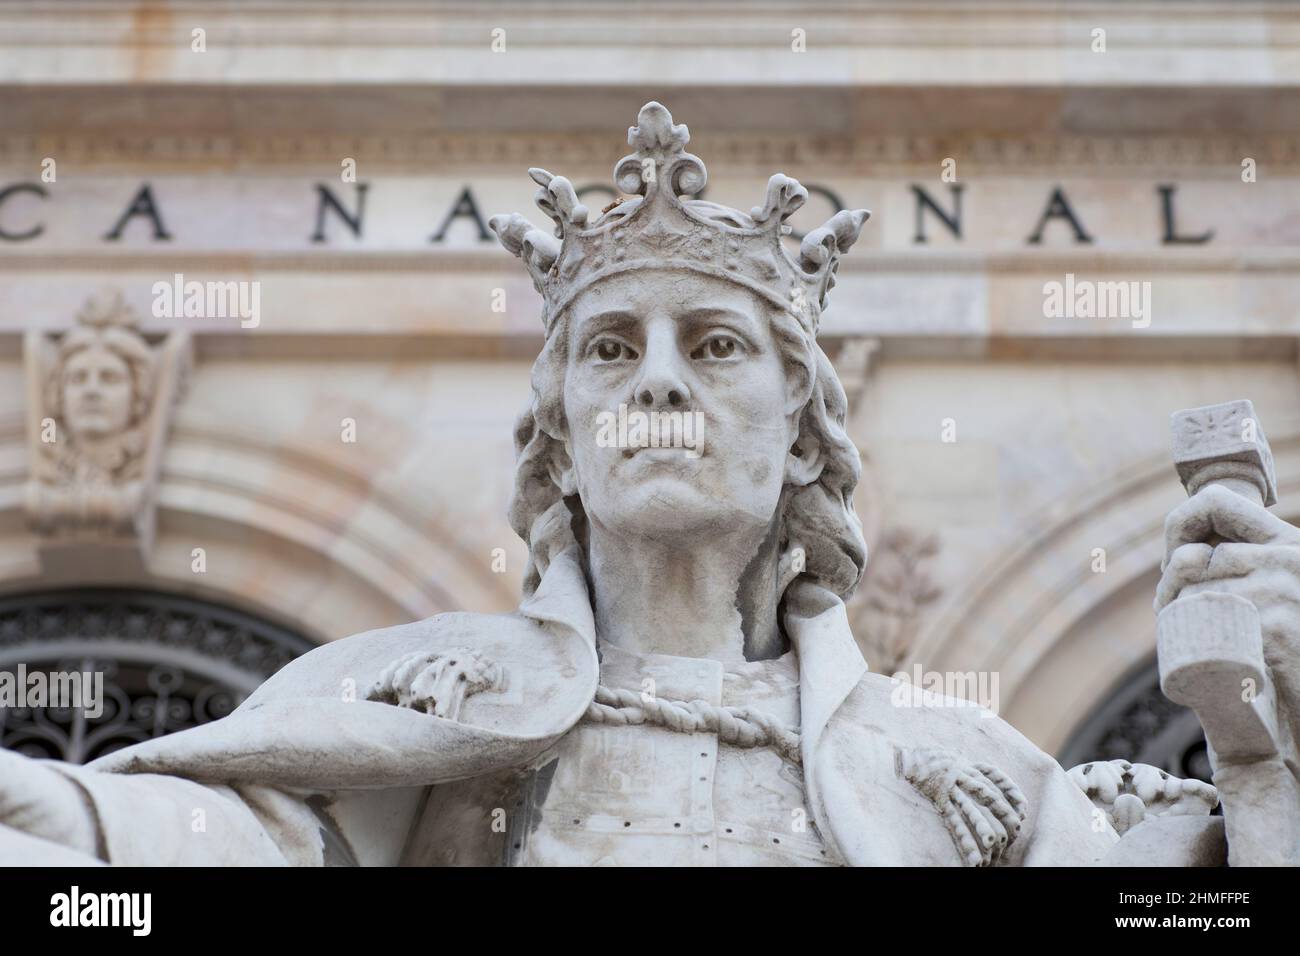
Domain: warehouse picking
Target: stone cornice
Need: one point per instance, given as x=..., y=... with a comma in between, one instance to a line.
x=516, y=151
x=893, y=43
x=663, y=23
x=490, y=259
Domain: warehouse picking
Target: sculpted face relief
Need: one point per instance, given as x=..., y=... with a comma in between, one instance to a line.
x=94, y=468
x=96, y=393
x=693, y=345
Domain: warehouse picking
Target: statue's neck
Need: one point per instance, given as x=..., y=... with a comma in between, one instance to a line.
x=714, y=598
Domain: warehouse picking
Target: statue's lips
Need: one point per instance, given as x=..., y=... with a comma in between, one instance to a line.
x=664, y=454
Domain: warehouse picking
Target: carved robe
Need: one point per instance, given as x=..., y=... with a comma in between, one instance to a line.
x=305, y=773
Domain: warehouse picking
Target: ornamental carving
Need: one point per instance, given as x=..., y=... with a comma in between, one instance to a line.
x=896, y=589
x=100, y=399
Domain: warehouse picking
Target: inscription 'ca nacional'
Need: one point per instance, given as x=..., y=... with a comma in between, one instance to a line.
x=345, y=215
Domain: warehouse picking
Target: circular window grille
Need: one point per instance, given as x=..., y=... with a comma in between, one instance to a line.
x=147, y=663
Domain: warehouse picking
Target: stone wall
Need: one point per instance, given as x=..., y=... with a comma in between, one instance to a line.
x=1002, y=446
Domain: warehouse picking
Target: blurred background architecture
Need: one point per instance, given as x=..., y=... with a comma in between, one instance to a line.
x=343, y=461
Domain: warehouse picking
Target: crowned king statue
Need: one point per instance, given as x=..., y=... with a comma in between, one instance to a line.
x=679, y=685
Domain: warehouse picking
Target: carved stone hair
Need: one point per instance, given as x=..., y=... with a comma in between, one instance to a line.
x=660, y=226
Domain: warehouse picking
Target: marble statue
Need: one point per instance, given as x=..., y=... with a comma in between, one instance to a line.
x=679, y=685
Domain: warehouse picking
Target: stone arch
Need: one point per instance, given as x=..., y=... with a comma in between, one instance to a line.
x=1058, y=634
x=289, y=534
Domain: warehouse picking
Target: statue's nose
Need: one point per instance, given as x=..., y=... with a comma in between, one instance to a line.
x=662, y=382
x=663, y=391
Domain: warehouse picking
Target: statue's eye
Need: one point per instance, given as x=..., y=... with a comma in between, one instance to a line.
x=608, y=350
x=717, y=347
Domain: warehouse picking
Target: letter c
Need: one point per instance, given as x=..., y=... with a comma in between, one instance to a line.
x=33, y=232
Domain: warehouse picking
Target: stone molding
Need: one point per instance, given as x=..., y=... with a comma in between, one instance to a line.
x=893, y=43
x=838, y=154
x=491, y=259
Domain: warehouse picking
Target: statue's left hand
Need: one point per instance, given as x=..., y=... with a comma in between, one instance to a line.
x=1130, y=792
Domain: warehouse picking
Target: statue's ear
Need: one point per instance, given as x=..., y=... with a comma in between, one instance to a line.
x=803, y=462
x=560, y=467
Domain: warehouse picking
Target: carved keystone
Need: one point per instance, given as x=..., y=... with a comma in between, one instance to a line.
x=1224, y=444
x=101, y=397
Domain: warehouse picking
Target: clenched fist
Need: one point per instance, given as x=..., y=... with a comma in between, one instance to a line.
x=1219, y=541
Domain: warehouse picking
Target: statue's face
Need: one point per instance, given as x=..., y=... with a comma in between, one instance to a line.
x=96, y=389
x=699, y=347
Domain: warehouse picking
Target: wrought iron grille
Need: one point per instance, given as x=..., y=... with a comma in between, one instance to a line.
x=168, y=663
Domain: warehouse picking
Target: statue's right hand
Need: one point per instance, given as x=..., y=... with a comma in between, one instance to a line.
x=41, y=802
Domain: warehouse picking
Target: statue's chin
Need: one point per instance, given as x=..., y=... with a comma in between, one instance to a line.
x=95, y=429
x=665, y=507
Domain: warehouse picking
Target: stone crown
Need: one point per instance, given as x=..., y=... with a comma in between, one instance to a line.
x=107, y=309
x=658, y=225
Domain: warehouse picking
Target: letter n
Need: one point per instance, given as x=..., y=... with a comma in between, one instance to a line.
x=329, y=201
x=924, y=202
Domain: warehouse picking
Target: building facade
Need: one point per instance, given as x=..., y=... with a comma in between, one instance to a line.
x=1084, y=219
